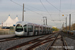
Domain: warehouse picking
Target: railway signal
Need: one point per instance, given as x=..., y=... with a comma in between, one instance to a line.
x=63, y=15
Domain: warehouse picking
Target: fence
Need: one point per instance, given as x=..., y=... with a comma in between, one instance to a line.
x=6, y=31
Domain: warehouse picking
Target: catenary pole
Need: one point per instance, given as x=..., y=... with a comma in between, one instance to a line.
x=23, y=13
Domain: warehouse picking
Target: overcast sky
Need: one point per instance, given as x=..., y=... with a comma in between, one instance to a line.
x=34, y=10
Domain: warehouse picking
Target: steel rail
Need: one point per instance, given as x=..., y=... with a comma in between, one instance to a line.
x=28, y=42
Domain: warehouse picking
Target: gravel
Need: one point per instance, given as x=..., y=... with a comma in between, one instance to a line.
x=70, y=42
x=44, y=46
x=8, y=44
x=26, y=46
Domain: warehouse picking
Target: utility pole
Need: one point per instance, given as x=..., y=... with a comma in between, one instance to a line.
x=63, y=26
x=23, y=13
x=66, y=23
x=2, y=23
x=45, y=20
x=69, y=21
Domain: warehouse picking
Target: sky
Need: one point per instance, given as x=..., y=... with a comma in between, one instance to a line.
x=35, y=10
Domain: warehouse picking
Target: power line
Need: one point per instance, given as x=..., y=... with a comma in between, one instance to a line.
x=35, y=12
x=34, y=7
x=56, y=7
x=45, y=7
x=60, y=5
x=71, y=5
x=27, y=8
x=60, y=9
x=48, y=12
x=52, y=5
x=16, y=3
x=26, y=4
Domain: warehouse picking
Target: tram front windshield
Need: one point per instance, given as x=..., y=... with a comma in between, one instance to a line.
x=19, y=28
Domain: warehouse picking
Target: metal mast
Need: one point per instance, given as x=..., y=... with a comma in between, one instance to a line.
x=66, y=23
x=69, y=21
x=23, y=13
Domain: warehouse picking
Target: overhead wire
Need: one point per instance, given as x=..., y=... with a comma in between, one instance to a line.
x=37, y=9
x=60, y=10
x=26, y=4
x=45, y=8
x=16, y=3
x=55, y=7
x=34, y=7
x=70, y=5
x=26, y=8
x=52, y=5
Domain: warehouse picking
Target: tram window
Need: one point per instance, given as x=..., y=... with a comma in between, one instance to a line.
x=25, y=28
x=36, y=28
x=44, y=29
x=30, y=28
x=49, y=29
x=19, y=28
x=7, y=27
x=40, y=29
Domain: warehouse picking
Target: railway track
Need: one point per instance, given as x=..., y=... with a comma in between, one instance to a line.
x=13, y=38
x=35, y=42
x=32, y=44
x=48, y=39
x=8, y=39
x=49, y=47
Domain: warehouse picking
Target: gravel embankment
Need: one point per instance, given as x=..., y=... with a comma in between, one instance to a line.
x=8, y=44
x=44, y=46
x=70, y=42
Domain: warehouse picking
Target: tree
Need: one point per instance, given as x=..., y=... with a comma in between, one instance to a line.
x=73, y=26
x=55, y=29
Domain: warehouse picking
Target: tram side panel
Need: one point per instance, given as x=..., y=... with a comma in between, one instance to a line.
x=36, y=30
x=30, y=30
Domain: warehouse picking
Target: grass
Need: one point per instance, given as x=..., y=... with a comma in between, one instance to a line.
x=6, y=31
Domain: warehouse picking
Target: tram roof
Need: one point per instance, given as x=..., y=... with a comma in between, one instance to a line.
x=24, y=22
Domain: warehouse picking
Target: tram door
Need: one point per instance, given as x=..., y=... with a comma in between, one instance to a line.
x=30, y=30
x=40, y=30
x=25, y=30
x=36, y=30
